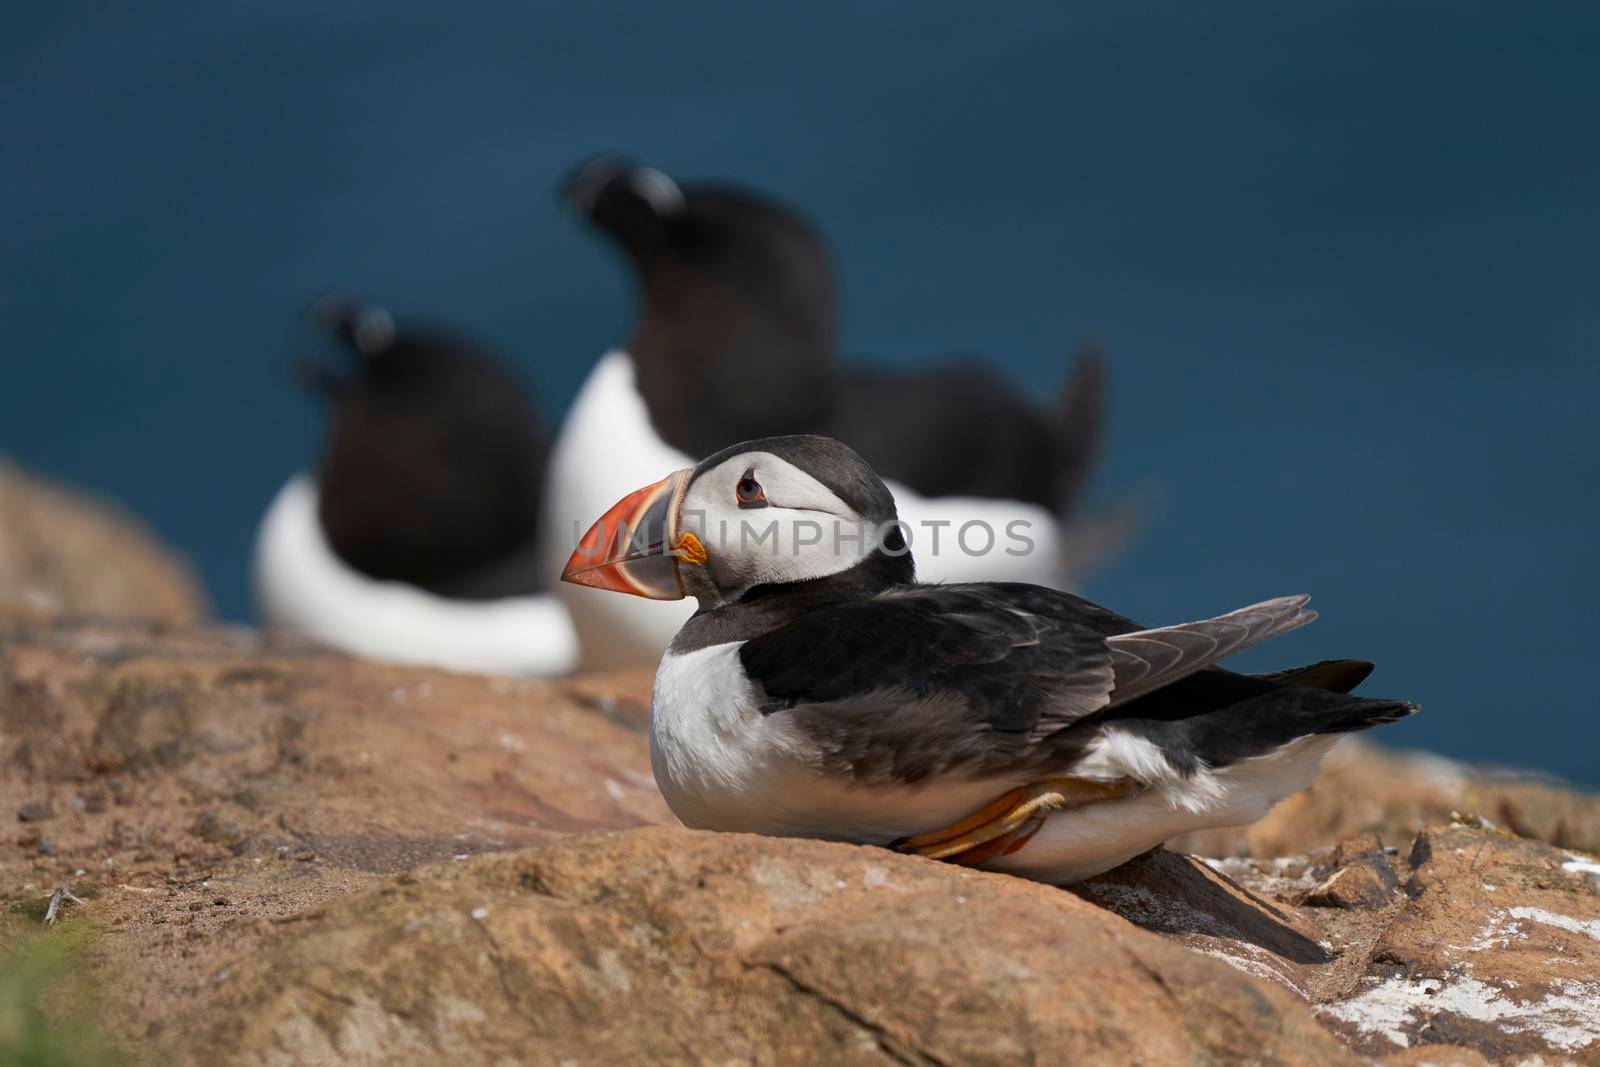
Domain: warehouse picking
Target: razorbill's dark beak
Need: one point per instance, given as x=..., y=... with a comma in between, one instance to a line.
x=621, y=197
x=582, y=187
x=636, y=546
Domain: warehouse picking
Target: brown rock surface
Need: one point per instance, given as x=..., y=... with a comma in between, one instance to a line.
x=1497, y=949
x=199, y=787
x=670, y=945
x=64, y=552
x=1490, y=949
x=292, y=857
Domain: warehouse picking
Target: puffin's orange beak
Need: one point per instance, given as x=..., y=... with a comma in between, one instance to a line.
x=635, y=547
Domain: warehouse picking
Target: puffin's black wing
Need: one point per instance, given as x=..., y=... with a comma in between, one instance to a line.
x=978, y=677
x=1018, y=665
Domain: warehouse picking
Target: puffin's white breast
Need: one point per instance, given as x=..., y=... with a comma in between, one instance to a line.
x=723, y=765
x=607, y=448
x=302, y=585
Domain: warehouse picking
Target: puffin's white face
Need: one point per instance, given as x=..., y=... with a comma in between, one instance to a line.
x=751, y=519
x=762, y=520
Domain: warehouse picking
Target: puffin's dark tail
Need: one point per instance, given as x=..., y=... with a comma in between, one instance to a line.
x=1370, y=713
x=1080, y=415
x=1341, y=676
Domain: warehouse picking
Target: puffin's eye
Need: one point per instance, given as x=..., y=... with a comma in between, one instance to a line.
x=749, y=491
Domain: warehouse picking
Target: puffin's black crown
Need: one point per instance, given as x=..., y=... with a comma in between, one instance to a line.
x=833, y=463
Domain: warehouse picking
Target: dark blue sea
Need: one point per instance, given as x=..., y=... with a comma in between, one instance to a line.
x=1345, y=259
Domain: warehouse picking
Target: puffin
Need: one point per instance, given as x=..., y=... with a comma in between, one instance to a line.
x=737, y=337
x=820, y=690
x=415, y=538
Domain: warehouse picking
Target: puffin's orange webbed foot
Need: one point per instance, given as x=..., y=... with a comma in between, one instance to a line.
x=1006, y=823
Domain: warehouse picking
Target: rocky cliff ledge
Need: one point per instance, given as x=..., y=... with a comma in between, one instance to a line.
x=262, y=854
x=286, y=857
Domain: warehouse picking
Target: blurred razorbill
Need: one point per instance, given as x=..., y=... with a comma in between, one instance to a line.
x=415, y=538
x=736, y=337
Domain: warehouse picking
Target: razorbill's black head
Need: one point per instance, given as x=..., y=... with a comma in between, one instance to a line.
x=777, y=513
x=737, y=331
x=433, y=462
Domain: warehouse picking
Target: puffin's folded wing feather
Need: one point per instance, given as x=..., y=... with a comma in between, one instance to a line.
x=961, y=676
x=1146, y=660
x=975, y=679
x=849, y=648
